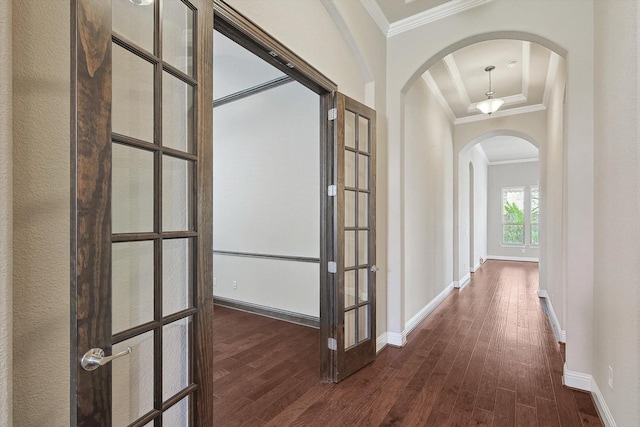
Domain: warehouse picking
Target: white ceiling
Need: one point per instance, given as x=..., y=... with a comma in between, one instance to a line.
x=508, y=149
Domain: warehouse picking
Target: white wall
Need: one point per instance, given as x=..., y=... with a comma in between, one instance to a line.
x=41, y=212
x=552, y=199
x=565, y=26
x=469, y=154
x=308, y=29
x=428, y=178
x=509, y=175
x=480, y=180
x=617, y=201
x=267, y=198
x=6, y=218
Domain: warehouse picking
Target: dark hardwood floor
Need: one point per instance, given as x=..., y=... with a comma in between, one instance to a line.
x=486, y=356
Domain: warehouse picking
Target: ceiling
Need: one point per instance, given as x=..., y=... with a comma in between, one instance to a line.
x=508, y=149
x=523, y=76
x=458, y=81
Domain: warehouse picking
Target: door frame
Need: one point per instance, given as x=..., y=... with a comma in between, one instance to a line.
x=241, y=30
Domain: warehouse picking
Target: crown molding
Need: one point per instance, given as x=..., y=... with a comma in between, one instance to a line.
x=509, y=162
x=377, y=15
x=431, y=15
x=501, y=113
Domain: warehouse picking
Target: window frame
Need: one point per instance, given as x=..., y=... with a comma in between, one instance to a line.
x=504, y=223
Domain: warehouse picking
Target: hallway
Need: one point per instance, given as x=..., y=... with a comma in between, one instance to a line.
x=485, y=356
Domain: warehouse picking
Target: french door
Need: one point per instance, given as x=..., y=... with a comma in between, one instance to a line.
x=141, y=216
x=354, y=245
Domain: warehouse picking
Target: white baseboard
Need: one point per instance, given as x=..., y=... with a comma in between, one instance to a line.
x=512, y=258
x=576, y=379
x=586, y=382
x=459, y=284
x=381, y=342
x=555, y=323
x=476, y=267
x=426, y=310
x=601, y=405
x=396, y=339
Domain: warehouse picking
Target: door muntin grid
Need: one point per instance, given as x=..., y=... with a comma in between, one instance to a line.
x=154, y=79
x=357, y=243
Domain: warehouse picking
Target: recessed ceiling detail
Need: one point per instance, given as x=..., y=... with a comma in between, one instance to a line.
x=459, y=80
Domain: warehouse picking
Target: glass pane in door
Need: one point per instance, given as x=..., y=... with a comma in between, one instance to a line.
x=133, y=380
x=132, y=284
x=177, y=113
x=132, y=95
x=177, y=415
x=175, y=357
x=177, y=275
x=132, y=190
x=177, y=35
x=177, y=184
x=134, y=22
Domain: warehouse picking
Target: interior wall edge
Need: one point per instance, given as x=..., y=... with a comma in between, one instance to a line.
x=6, y=216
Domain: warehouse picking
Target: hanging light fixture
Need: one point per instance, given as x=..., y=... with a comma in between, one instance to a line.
x=141, y=2
x=491, y=104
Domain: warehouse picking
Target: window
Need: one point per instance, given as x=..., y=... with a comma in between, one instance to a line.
x=533, y=217
x=513, y=216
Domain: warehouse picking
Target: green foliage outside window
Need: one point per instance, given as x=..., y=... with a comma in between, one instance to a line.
x=513, y=229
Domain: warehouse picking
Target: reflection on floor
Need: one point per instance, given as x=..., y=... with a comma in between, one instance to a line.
x=486, y=356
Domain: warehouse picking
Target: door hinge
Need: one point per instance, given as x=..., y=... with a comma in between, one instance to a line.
x=333, y=344
x=332, y=190
x=333, y=114
x=333, y=267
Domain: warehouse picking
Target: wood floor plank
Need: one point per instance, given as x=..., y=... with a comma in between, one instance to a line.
x=526, y=416
x=485, y=356
x=481, y=418
x=504, y=414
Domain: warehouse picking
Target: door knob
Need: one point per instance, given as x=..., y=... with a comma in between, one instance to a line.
x=95, y=358
x=374, y=268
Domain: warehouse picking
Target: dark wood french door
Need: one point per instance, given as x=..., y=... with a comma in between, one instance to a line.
x=141, y=212
x=354, y=249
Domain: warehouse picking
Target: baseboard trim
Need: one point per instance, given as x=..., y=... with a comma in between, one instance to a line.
x=381, y=342
x=274, y=313
x=426, y=310
x=601, y=405
x=459, y=284
x=512, y=258
x=576, y=380
x=396, y=339
x=561, y=334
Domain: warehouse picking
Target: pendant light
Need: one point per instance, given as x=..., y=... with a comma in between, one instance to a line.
x=491, y=104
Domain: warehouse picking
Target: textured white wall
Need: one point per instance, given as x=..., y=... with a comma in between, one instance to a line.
x=41, y=212
x=509, y=175
x=6, y=219
x=428, y=179
x=617, y=196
